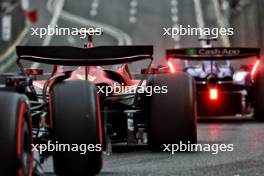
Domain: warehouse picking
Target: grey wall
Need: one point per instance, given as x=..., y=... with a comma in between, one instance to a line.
x=18, y=24
x=248, y=24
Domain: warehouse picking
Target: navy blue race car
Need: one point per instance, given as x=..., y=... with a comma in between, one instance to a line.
x=223, y=87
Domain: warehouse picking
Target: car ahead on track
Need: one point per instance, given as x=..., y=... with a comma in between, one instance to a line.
x=223, y=87
x=68, y=108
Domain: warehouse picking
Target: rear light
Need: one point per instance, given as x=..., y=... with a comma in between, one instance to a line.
x=172, y=69
x=213, y=94
x=32, y=16
x=255, y=68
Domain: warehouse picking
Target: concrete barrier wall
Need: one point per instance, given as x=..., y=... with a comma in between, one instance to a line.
x=260, y=5
x=248, y=24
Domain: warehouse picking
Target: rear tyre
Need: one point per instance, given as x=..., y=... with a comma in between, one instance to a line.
x=172, y=114
x=16, y=137
x=259, y=94
x=76, y=121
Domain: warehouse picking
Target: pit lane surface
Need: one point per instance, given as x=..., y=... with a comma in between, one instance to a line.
x=144, y=22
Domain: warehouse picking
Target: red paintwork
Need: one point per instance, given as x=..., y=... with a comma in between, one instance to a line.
x=96, y=74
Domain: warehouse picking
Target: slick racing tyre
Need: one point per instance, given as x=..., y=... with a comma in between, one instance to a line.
x=16, y=135
x=76, y=121
x=172, y=114
x=259, y=94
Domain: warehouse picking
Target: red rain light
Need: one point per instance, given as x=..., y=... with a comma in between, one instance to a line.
x=172, y=69
x=255, y=68
x=213, y=94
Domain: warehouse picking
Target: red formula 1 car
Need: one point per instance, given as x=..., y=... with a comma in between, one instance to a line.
x=89, y=107
x=223, y=87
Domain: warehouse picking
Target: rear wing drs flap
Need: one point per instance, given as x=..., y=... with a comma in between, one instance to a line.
x=73, y=56
x=212, y=53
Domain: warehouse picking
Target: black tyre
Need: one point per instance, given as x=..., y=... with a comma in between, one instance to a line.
x=172, y=114
x=259, y=94
x=76, y=119
x=16, y=137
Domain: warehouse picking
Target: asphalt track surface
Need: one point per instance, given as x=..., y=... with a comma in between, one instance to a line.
x=247, y=159
x=143, y=23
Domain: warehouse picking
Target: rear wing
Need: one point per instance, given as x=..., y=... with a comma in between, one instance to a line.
x=212, y=53
x=73, y=56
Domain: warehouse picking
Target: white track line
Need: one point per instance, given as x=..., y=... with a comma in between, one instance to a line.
x=200, y=20
x=174, y=2
x=175, y=21
x=71, y=39
x=219, y=19
x=133, y=11
x=199, y=17
x=57, y=11
x=121, y=37
x=53, y=22
x=94, y=7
